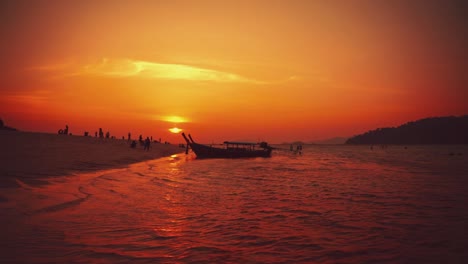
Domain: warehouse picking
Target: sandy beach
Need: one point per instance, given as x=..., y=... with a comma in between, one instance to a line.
x=30, y=157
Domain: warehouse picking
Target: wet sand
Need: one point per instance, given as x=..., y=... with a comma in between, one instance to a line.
x=28, y=157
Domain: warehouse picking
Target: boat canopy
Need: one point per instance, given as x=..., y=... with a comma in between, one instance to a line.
x=239, y=143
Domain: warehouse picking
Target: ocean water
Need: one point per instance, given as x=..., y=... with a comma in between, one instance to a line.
x=332, y=204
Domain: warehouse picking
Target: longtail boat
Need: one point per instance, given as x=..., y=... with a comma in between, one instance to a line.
x=230, y=150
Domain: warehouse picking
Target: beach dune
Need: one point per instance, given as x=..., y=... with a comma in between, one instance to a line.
x=30, y=157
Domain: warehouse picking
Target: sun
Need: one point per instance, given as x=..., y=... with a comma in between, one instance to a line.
x=175, y=130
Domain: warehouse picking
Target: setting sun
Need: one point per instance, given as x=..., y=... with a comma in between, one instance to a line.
x=175, y=130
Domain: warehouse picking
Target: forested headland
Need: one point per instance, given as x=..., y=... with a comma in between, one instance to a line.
x=433, y=130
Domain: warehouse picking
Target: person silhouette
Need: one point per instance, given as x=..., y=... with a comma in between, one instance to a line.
x=147, y=144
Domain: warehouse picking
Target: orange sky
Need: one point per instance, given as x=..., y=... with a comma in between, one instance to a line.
x=240, y=70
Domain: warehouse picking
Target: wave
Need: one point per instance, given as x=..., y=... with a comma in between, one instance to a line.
x=332, y=204
x=63, y=206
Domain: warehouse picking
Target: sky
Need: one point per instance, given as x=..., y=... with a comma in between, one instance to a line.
x=231, y=70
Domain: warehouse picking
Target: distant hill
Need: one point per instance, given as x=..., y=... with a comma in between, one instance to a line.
x=330, y=141
x=434, y=130
x=3, y=127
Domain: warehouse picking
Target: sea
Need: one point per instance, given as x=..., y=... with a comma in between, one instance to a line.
x=327, y=204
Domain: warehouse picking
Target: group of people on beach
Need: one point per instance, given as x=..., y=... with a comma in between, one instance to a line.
x=146, y=143
x=101, y=134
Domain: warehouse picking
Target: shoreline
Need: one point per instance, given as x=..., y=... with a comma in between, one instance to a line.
x=32, y=156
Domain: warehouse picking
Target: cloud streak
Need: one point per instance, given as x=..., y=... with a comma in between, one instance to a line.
x=154, y=70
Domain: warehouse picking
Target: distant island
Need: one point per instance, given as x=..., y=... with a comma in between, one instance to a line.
x=434, y=130
x=3, y=127
x=330, y=141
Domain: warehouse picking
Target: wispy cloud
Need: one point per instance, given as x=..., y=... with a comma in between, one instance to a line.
x=171, y=119
x=154, y=70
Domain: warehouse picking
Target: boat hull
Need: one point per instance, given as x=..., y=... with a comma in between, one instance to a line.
x=232, y=150
x=203, y=152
